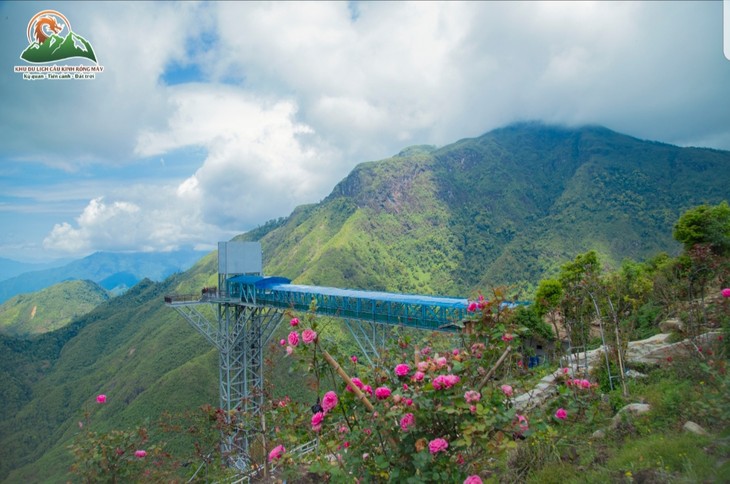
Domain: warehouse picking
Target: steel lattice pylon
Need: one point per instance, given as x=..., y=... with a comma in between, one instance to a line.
x=241, y=334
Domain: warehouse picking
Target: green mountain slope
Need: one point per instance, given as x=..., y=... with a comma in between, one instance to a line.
x=134, y=349
x=51, y=308
x=505, y=208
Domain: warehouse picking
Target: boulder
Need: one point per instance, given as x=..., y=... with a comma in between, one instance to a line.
x=694, y=428
x=630, y=409
x=672, y=325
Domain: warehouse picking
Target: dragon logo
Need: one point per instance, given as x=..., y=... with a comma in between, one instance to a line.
x=46, y=43
x=45, y=24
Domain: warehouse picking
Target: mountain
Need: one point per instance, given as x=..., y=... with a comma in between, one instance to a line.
x=111, y=269
x=11, y=268
x=507, y=207
x=56, y=48
x=50, y=308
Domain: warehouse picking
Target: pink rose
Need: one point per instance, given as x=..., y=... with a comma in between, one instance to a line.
x=725, y=292
x=471, y=307
x=309, y=336
x=282, y=342
x=101, y=398
x=418, y=376
x=438, y=445
x=293, y=338
x=289, y=350
x=561, y=414
x=473, y=408
x=445, y=381
x=353, y=358
x=423, y=366
x=451, y=380
x=522, y=421
x=472, y=396
x=368, y=389
x=355, y=381
x=382, y=393
x=407, y=422
x=276, y=452
x=441, y=361
x=329, y=401
x=402, y=369
x=507, y=337
x=507, y=390
x=294, y=321
x=455, y=352
x=473, y=480
x=140, y=454
x=317, y=421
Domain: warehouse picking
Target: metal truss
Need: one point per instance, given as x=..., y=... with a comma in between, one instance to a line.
x=369, y=336
x=241, y=334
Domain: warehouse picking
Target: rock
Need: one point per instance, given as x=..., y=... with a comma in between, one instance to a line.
x=599, y=434
x=654, y=350
x=672, y=325
x=635, y=374
x=694, y=428
x=630, y=409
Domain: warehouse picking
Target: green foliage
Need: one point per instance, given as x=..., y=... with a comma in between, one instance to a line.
x=51, y=308
x=706, y=225
x=548, y=296
x=531, y=320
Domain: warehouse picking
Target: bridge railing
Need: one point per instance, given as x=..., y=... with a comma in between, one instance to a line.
x=181, y=298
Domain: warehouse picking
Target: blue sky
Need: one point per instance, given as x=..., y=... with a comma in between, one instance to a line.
x=211, y=118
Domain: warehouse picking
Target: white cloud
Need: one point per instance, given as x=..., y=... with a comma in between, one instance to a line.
x=261, y=162
x=162, y=223
x=73, y=124
x=299, y=92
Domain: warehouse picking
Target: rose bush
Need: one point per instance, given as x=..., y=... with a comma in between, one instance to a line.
x=446, y=419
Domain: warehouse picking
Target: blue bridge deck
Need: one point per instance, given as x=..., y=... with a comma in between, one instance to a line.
x=423, y=312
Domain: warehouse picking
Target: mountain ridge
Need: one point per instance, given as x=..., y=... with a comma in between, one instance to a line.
x=509, y=202
x=102, y=267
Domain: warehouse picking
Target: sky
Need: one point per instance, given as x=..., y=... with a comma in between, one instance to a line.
x=211, y=118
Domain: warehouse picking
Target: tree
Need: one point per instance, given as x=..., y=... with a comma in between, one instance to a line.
x=705, y=225
x=547, y=301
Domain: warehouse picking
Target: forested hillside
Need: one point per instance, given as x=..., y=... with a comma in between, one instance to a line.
x=505, y=208
x=50, y=308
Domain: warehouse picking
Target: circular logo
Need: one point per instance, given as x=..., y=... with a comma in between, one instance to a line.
x=46, y=24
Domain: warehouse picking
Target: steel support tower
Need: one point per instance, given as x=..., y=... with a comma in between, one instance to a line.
x=240, y=332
